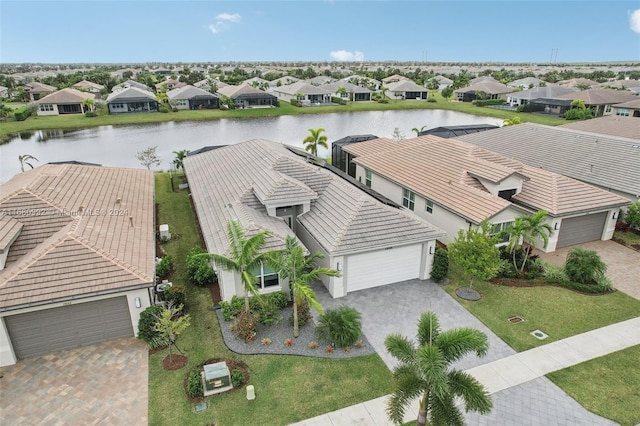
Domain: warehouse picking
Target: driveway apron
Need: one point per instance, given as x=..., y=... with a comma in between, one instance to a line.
x=106, y=383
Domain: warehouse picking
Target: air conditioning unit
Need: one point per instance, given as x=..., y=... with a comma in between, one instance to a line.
x=165, y=235
x=160, y=290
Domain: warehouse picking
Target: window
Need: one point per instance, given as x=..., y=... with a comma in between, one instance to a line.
x=408, y=199
x=502, y=231
x=367, y=178
x=622, y=112
x=429, y=206
x=267, y=277
x=507, y=194
x=46, y=107
x=607, y=108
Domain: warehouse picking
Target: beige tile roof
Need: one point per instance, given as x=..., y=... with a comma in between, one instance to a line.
x=243, y=89
x=66, y=96
x=596, y=158
x=280, y=187
x=611, y=125
x=486, y=87
x=37, y=87
x=223, y=183
x=9, y=230
x=632, y=104
x=600, y=96
x=84, y=84
x=63, y=252
x=440, y=170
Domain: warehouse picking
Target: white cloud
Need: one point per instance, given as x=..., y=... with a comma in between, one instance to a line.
x=346, y=56
x=222, y=21
x=231, y=17
x=634, y=21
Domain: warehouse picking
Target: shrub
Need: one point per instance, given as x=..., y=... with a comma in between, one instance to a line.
x=341, y=326
x=329, y=349
x=622, y=227
x=359, y=344
x=553, y=273
x=632, y=217
x=383, y=101
x=304, y=314
x=194, y=385
x=174, y=109
x=268, y=312
x=279, y=298
x=237, y=378
x=175, y=295
x=440, y=268
x=584, y=266
x=22, y=113
x=90, y=114
x=245, y=326
x=485, y=102
x=338, y=100
x=199, y=268
x=146, y=325
x=232, y=308
x=432, y=99
x=163, y=109
x=578, y=114
x=294, y=102
x=313, y=344
x=288, y=342
x=164, y=267
x=266, y=341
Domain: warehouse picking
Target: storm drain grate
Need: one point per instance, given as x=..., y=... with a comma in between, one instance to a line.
x=540, y=335
x=516, y=319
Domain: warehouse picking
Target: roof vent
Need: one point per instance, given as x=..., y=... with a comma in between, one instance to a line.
x=80, y=209
x=591, y=168
x=118, y=200
x=131, y=221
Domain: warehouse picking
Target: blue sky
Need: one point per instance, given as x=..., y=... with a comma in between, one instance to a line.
x=318, y=30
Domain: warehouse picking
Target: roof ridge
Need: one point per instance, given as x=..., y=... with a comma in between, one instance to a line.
x=348, y=222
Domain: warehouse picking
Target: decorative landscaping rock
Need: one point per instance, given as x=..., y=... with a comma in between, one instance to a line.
x=467, y=293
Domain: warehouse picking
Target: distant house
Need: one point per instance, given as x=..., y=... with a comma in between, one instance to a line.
x=455, y=185
x=611, y=125
x=579, y=83
x=320, y=80
x=600, y=101
x=304, y=92
x=351, y=91
x=455, y=131
x=362, y=81
x=406, y=89
x=38, y=90
x=4, y=92
x=487, y=89
x=483, y=79
x=628, y=109
x=190, y=97
x=526, y=83
x=283, y=81
x=524, y=97
x=88, y=86
x=257, y=82
x=443, y=82
x=244, y=96
x=65, y=101
x=394, y=79
x=130, y=83
x=169, y=84
x=132, y=100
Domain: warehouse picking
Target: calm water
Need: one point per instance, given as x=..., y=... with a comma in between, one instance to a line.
x=117, y=145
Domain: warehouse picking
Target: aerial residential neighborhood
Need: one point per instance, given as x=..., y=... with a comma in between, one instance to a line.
x=319, y=213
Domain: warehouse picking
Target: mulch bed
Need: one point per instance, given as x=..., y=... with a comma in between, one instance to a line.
x=526, y=283
x=175, y=362
x=215, y=293
x=231, y=363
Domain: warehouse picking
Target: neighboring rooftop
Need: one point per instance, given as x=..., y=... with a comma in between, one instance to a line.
x=85, y=230
x=600, y=96
x=454, y=131
x=66, y=96
x=611, y=125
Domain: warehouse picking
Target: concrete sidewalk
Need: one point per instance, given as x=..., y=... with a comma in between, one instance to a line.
x=507, y=372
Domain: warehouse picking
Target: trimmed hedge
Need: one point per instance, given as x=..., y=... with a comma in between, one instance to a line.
x=22, y=113
x=485, y=102
x=146, y=323
x=440, y=268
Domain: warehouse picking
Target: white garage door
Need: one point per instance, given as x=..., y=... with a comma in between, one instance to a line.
x=581, y=229
x=382, y=267
x=40, y=332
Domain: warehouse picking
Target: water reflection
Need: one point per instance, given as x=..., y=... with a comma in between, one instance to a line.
x=117, y=145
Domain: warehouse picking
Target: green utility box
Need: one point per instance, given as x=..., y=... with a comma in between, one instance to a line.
x=216, y=377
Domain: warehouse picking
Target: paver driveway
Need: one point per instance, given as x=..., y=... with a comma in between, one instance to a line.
x=396, y=308
x=105, y=384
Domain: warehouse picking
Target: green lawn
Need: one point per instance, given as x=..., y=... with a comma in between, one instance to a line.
x=558, y=312
x=75, y=121
x=288, y=388
x=608, y=386
x=628, y=238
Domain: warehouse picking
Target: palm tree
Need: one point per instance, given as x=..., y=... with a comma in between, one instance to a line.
x=424, y=372
x=88, y=104
x=245, y=256
x=301, y=271
x=511, y=121
x=26, y=160
x=341, y=91
x=529, y=229
x=418, y=131
x=384, y=91
x=179, y=157
x=314, y=139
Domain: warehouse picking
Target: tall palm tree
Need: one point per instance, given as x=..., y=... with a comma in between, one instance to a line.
x=424, y=372
x=292, y=264
x=26, y=160
x=315, y=139
x=180, y=155
x=418, y=131
x=384, y=91
x=88, y=104
x=244, y=257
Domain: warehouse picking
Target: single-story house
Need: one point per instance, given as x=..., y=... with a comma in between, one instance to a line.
x=351, y=91
x=89, y=86
x=600, y=101
x=524, y=97
x=169, y=84
x=266, y=186
x=455, y=131
x=190, y=97
x=283, y=81
x=611, y=125
x=488, y=89
x=257, y=82
x=526, y=83
x=363, y=81
x=609, y=162
x=483, y=79
x=443, y=82
x=406, y=89
x=455, y=185
x=579, y=82
x=77, y=251
x=628, y=109
x=131, y=100
x=342, y=159
x=4, y=92
x=38, y=90
x=247, y=97
x=130, y=83
x=394, y=79
x=550, y=105
x=304, y=92
x=320, y=80
x=65, y=101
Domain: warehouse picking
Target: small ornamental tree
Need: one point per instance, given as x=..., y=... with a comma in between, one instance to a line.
x=148, y=157
x=199, y=268
x=440, y=268
x=169, y=325
x=476, y=253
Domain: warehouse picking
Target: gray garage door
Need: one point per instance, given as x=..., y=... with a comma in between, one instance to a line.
x=581, y=229
x=40, y=332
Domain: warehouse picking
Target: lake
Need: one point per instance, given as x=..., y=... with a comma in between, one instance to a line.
x=117, y=145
